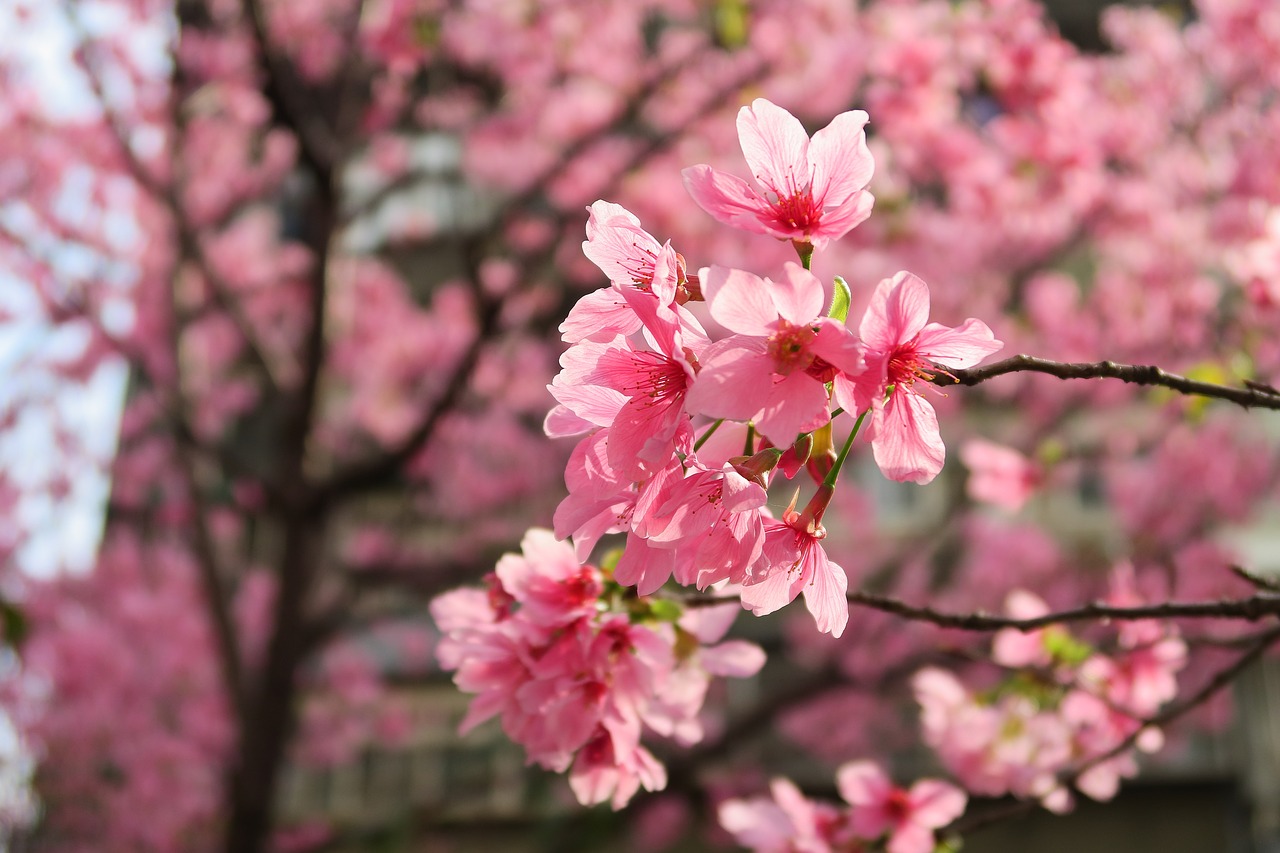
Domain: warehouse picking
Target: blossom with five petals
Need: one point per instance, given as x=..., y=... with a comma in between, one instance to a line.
x=775, y=368
x=901, y=348
x=815, y=189
x=909, y=817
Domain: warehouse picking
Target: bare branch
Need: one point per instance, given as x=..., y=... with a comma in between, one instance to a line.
x=1253, y=608
x=1255, y=395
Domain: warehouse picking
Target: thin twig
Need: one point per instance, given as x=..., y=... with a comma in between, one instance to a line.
x=1254, y=396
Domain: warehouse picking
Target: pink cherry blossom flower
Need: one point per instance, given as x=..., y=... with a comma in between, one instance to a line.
x=775, y=368
x=909, y=817
x=903, y=348
x=549, y=581
x=787, y=823
x=795, y=562
x=638, y=393
x=633, y=260
x=814, y=189
x=711, y=521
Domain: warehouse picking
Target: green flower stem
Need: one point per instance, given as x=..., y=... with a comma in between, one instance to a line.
x=697, y=445
x=834, y=473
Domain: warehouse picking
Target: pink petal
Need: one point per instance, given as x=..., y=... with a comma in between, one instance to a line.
x=963, y=346
x=734, y=382
x=839, y=221
x=842, y=164
x=728, y=198
x=775, y=146
x=863, y=783
x=825, y=595
x=733, y=659
x=898, y=310
x=774, y=592
x=644, y=567
x=617, y=244
x=908, y=446
x=911, y=838
x=799, y=296
x=839, y=347
x=561, y=422
x=601, y=315
x=740, y=301
x=796, y=404
x=935, y=803
x=592, y=403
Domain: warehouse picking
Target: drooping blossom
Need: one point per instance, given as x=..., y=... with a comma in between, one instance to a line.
x=814, y=190
x=576, y=678
x=788, y=822
x=795, y=562
x=902, y=348
x=774, y=369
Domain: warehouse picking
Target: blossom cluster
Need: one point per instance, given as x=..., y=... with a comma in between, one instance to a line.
x=1069, y=711
x=576, y=670
x=877, y=809
x=647, y=385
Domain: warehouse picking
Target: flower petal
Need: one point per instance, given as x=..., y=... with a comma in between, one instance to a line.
x=962, y=346
x=728, y=198
x=908, y=446
x=741, y=302
x=775, y=146
x=898, y=310
x=842, y=164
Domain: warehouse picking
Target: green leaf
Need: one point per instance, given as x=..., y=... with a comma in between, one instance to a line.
x=840, y=297
x=610, y=560
x=1064, y=648
x=665, y=610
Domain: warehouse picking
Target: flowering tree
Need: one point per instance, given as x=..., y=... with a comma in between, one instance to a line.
x=333, y=239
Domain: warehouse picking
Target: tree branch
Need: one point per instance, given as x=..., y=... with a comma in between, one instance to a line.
x=1253, y=608
x=1255, y=395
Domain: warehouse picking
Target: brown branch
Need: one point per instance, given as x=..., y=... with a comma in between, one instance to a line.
x=1252, y=608
x=1254, y=396
x=1255, y=607
x=366, y=474
x=166, y=195
x=316, y=142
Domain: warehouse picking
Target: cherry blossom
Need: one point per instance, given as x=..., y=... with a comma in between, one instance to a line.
x=902, y=348
x=815, y=189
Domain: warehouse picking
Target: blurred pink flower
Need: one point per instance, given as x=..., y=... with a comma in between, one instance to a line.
x=999, y=475
x=908, y=816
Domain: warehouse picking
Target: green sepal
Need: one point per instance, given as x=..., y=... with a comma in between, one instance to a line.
x=665, y=610
x=840, y=298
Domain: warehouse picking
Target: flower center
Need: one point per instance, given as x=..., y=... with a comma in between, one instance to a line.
x=789, y=348
x=798, y=211
x=905, y=367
